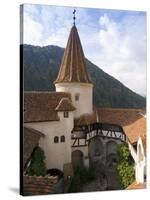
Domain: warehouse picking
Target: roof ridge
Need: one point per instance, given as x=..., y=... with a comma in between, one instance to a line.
x=46, y=92
x=128, y=109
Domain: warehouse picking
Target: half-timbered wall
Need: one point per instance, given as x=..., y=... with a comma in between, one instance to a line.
x=98, y=142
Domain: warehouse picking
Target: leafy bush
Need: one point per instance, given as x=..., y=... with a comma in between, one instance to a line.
x=37, y=165
x=125, y=165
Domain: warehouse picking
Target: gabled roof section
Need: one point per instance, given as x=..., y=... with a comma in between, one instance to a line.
x=135, y=130
x=120, y=116
x=65, y=105
x=40, y=106
x=31, y=139
x=132, y=121
x=85, y=119
x=73, y=67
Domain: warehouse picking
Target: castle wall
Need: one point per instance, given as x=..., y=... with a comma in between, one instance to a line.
x=85, y=91
x=57, y=154
x=102, y=150
x=38, y=185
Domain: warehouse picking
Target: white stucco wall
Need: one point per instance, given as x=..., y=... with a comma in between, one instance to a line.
x=140, y=165
x=57, y=154
x=139, y=159
x=85, y=91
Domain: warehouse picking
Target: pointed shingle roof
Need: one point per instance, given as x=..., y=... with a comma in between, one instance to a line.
x=73, y=66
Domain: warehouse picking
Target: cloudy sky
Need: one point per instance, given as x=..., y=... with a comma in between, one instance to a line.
x=113, y=40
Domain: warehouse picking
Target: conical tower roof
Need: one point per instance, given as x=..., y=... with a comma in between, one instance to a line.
x=73, y=67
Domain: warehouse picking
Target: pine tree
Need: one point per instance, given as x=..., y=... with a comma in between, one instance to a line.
x=37, y=165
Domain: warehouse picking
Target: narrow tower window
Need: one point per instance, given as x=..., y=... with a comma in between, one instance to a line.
x=62, y=139
x=76, y=97
x=66, y=114
x=56, y=139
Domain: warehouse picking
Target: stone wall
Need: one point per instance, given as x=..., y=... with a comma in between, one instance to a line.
x=38, y=185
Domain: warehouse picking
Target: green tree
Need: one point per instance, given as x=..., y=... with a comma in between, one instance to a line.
x=125, y=166
x=37, y=165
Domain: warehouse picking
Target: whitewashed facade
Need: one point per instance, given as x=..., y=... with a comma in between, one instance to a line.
x=139, y=157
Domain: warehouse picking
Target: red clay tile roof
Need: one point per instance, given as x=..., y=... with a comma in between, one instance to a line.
x=65, y=105
x=131, y=120
x=135, y=130
x=85, y=119
x=136, y=185
x=40, y=106
x=73, y=66
x=30, y=141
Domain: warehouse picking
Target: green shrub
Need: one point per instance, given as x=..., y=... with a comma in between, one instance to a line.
x=37, y=165
x=125, y=166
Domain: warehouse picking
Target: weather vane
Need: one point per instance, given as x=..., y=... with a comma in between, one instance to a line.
x=74, y=17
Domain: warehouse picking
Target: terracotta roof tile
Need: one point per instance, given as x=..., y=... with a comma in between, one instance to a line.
x=86, y=119
x=135, y=130
x=131, y=120
x=40, y=106
x=30, y=141
x=65, y=105
x=73, y=66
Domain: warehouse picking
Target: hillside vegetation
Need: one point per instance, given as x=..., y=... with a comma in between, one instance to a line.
x=41, y=65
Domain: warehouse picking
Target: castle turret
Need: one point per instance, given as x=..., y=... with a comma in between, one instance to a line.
x=73, y=76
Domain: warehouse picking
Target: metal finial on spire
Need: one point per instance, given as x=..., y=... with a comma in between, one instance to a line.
x=74, y=17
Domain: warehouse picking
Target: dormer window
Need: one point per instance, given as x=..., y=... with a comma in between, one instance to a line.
x=66, y=114
x=77, y=97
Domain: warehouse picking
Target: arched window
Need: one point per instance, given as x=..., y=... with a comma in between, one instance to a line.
x=62, y=138
x=56, y=139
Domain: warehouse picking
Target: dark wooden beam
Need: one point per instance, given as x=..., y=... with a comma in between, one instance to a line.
x=74, y=142
x=80, y=145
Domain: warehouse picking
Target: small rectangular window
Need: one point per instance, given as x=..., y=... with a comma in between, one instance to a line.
x=76, y=97
x=62, y=138
x=66, y=114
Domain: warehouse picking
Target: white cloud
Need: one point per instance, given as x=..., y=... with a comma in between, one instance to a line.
x=104, y=20
x=118, y=46
x=123, y=50
x=33, y=30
